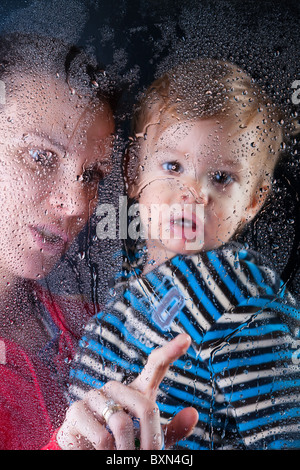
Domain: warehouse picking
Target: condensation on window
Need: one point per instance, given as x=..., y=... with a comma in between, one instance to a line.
x=134, y=42
x=137, y=41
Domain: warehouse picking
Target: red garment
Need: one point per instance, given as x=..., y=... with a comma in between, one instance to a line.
x=25, y=422
x=52, y=444
x=32, y=401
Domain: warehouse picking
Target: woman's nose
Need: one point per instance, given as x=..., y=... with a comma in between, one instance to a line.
x=69, y=199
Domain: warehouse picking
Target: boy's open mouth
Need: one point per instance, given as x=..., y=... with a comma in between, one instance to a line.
x=185, y=227
x=185, y=223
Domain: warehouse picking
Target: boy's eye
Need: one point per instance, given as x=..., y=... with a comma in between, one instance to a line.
x=45, y=157
x=222, y=178
x=172, y=166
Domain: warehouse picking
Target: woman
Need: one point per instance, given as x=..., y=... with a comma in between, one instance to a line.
x=56, y=139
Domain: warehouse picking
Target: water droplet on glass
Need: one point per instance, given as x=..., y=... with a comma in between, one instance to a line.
x=188, y=364
x=112, y=292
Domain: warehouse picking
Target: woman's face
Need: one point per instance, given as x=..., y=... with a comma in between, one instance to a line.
x=54, y=148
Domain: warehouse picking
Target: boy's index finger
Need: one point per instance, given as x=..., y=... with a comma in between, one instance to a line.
x=158, y=363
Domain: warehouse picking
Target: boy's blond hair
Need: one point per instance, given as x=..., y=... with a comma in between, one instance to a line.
x=204, y=89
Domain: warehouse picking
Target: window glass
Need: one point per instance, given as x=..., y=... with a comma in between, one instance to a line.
x=66, y=124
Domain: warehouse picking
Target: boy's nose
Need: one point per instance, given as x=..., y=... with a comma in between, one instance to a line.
x=193, y=193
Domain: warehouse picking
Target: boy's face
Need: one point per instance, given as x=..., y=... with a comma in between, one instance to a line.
x=197, y=185
x=53, y=149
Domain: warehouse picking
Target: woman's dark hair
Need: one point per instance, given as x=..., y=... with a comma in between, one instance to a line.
x=33, y=54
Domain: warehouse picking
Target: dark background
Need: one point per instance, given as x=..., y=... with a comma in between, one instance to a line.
x=137, y=40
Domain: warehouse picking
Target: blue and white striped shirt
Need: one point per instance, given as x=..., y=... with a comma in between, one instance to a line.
x=242, y=369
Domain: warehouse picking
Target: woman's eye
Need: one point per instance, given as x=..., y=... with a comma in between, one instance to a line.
x=91, y=176
x=44, y=157
x=222, y=178
x=172, y=166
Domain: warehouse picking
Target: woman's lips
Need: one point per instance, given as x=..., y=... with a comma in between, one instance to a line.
x=49, y=239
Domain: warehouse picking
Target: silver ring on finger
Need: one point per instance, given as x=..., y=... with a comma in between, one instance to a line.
x=110, y=408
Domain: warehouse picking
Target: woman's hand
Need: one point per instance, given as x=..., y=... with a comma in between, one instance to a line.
x=86, y=428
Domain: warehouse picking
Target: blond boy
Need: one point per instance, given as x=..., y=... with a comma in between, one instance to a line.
x=205, y=136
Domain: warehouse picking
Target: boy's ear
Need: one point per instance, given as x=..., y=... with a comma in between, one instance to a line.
x=258, y=200
x=132, y=187
x=130, y=169
x=132, y=191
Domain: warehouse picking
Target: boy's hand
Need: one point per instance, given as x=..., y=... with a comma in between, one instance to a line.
x=85, y=427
